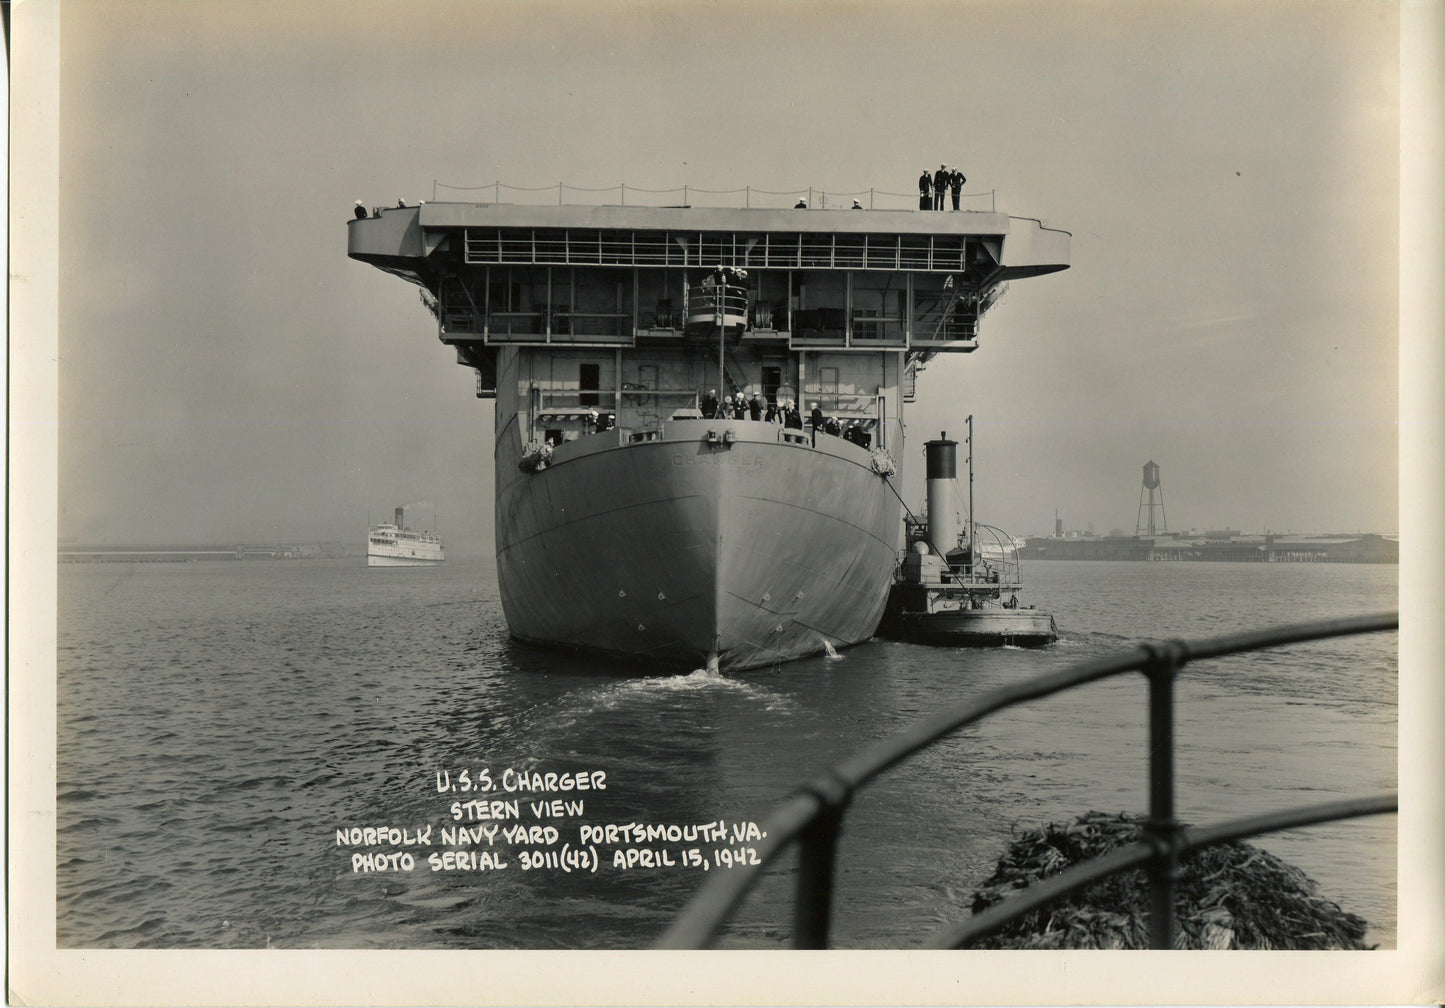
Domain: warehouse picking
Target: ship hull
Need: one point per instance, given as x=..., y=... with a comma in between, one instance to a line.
x=688, y=553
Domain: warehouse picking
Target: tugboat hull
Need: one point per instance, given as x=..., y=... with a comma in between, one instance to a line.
x=992, y=626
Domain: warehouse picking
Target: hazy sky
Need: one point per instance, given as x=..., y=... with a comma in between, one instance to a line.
x=1229, y=172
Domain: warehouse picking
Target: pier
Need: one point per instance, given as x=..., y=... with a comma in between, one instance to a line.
x=193, y=553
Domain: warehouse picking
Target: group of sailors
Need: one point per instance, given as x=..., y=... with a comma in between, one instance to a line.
x=932, y=187
x=802, y=204
x=785, y=412
x=854, y=431
x=359, y=211
x=743, y=407
x=740, y=407
x=726, y=276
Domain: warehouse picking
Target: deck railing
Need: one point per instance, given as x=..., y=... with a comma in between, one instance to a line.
x=705, y=302
x=746, y=197
x=812, y=819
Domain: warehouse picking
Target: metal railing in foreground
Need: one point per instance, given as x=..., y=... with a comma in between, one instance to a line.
x=813, y=817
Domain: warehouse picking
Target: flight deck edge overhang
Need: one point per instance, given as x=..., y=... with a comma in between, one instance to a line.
x=400, y=240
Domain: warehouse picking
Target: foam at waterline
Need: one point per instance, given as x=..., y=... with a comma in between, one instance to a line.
x=621, y=695
x=697, y=681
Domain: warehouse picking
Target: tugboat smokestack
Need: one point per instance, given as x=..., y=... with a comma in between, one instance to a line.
x=940, y=473
x=941, y=457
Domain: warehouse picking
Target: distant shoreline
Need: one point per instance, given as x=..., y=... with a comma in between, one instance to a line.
x=1367, y=547
x=149, y=553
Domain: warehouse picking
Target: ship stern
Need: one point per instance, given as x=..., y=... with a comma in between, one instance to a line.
x=725, y=545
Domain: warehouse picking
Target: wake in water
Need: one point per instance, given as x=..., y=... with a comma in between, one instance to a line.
x=698, y=681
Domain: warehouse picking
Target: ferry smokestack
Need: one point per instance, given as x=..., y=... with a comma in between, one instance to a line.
x=399, y=513
x=940, y=474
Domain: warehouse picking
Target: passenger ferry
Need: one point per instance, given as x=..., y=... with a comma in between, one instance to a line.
x=628, y=522
x=392, y=544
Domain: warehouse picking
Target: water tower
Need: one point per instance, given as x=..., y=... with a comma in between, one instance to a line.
x=1151, y=485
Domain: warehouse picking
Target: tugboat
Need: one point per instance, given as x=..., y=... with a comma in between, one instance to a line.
x=958, y=585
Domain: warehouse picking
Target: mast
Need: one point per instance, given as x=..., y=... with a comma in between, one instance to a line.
x=972, y=551
x=721, y=316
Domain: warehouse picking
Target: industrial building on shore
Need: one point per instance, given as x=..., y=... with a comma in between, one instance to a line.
x=1152, y=540
x=1236, y=547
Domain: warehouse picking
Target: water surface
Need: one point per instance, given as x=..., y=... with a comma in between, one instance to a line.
x=219, y=722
